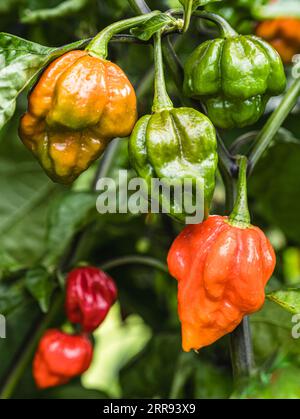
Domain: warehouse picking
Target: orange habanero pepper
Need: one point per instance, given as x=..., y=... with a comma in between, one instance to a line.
x=222, y=266
x=80, y=103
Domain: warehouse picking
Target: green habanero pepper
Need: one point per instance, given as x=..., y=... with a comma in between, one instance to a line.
x=235, y=76
x=174, y=144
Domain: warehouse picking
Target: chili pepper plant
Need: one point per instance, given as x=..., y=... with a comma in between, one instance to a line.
x=131, y=303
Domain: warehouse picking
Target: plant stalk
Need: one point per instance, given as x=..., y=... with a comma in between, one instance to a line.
x=99, y=45
x=161, y=98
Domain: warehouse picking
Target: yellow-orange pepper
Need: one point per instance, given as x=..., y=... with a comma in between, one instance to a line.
x=283, y=34
x=80, y=103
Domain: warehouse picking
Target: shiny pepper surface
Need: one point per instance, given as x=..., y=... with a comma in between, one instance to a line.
x=90, y=293
x=79, y=104
x=235, y=77
x=221, y=271
x=60, y=357
x=283, y=34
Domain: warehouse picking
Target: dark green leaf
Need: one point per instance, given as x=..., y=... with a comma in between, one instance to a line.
x=68, y=215
x=288, y=299
x=11, y=297
x=169, y=373
x=272, y=331
x=28, y=192
x=20, y=62
x=153, y=25
x=275, y=187
x=41, y=285
x=8, y=265
x=19, y=324
x=72, y=391
x=156, y=364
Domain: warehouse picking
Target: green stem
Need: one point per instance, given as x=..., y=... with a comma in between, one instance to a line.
x=139, y=6
x=242, y=352
x=135, y=260
x=274, y=123
x=161, y=98
x=240, y=216
x=99, y=45
x=241, y=349
x=20, y=366
x=187, y=15
x=226, y=30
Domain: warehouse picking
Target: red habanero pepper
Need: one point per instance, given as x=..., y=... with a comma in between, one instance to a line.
x=60, y=357
x=222, y=266
x=90, y=293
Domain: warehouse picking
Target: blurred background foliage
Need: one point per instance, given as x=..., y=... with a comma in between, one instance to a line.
x=137, y=348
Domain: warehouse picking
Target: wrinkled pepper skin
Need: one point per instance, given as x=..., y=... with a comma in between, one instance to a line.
x=173, y=145
x=90, y=293
x=283, y=34
x=235, y=77
x=221, y=271
x=79, y=104
x=60, y=357
x=236, y=12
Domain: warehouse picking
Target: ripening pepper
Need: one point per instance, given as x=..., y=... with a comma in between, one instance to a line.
x=90, y=293
x=234, y=76
x=174, y=144
x=222, y=266
x=283, y=34
x=60, y=357
x=80, y=103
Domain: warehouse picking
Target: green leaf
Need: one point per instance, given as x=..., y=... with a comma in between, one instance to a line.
x=272, y=331
x=278, y=9
x=28, y=193
x=288, y=299
x=11, y=297
x=71, y=391
x=156, y=364
x=169, y=373
x=19, y=324
x=20, y=63
x=8, y=265
x=275, y=187
x=69, y=215
x=153, y=25
x=66, y=8
x=41, y=285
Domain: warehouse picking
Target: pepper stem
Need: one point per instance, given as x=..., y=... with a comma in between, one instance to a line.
x=99, y=45
x=240, y=216
x=226, y=31
x=187, y=15
x=161, y=100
